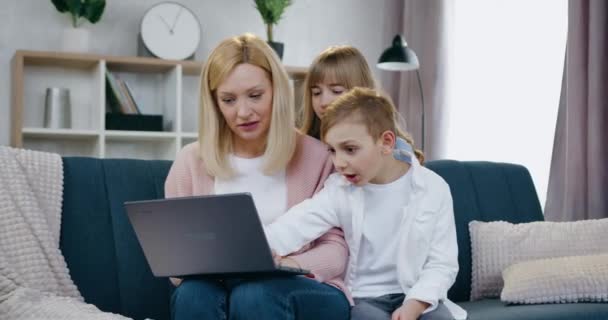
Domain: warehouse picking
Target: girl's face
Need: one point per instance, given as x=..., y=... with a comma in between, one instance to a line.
x=245, y=101
x=325, y=93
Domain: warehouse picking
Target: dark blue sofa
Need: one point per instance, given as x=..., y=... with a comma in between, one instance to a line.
x=107, y=264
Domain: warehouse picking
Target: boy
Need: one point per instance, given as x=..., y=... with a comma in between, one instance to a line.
x=397, y=218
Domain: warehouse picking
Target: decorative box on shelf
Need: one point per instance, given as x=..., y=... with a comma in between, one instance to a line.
x=134, y=122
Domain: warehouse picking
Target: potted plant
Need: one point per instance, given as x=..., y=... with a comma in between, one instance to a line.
x=77, y=38
x=271, y=12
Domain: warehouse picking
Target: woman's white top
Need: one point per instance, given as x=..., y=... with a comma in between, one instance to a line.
x=269, y=192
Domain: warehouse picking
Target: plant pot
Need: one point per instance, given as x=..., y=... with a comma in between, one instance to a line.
x=278, y=48
x=75, y=40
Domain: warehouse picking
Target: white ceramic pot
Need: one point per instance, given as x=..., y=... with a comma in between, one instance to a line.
x=75, y=40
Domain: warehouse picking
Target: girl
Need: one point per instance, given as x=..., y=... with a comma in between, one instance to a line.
x=248, y=143
x=335, y=71
x=397, y=217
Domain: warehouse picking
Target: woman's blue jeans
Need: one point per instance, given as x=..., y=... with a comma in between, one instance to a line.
x=291, y=297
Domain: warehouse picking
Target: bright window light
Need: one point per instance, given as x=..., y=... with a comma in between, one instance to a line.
x=505, y=83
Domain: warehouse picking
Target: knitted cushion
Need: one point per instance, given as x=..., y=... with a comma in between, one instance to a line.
x=557, y=280
x=497, y=245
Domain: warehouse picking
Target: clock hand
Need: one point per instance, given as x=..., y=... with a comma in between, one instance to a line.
x=165, y=22
x=176, y=17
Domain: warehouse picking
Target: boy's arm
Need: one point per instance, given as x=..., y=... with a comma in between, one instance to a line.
x=327, y=258
x=441, y=267
x=303, y=223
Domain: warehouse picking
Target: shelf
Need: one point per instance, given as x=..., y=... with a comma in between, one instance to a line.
x=124, y=63
x=190, y=135
x=71, y=134
x=161, y=87
x=149, y=149
x=122, y=135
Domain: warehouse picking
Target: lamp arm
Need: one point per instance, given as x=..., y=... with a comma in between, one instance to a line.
x=422, y=102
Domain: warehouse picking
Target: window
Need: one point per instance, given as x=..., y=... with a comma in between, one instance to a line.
x=505, y=82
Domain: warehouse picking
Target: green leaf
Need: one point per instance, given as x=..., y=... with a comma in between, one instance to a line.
x=271, y=10
x=93, y=10
x=74, y=7
x=60, y=5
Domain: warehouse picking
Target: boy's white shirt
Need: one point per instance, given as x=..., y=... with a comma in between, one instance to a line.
x=427, y=229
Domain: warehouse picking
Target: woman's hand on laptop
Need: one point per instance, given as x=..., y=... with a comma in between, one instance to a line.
x=175, y=281
x=289, y=262
x=284, y=261
x=277, y=258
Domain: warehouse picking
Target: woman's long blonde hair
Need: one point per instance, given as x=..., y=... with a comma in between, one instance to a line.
x=344, y=65
x=372, y=109
x=215, y=136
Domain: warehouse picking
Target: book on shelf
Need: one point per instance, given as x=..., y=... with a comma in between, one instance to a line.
x=132, y=97
x=113, y=94
x=128, y=103
x=119, y=95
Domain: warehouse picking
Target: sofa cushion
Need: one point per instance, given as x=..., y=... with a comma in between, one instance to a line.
x=98, y=242
x=494, y=309
x=557, y=280
x=484, y=191
x=499, y=244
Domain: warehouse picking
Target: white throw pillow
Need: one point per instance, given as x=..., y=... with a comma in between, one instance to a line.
x=497, y=245
x=557, y=280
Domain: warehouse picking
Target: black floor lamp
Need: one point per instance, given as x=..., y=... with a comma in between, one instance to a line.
x=399, y=57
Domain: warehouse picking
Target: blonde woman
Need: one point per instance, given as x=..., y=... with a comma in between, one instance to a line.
x=248, y=143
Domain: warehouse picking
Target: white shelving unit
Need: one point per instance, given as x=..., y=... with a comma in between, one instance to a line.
x=169, y=88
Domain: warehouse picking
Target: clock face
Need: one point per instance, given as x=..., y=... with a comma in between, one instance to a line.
x=170, y=31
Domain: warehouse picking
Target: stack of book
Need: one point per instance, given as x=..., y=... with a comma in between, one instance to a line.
x=120, y=96
x=125, y=113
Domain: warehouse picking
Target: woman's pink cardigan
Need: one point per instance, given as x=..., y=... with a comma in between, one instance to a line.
x=305, y=174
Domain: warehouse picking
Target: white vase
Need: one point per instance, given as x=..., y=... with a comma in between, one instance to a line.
x=75, y=40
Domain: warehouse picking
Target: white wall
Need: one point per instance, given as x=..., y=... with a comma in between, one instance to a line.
x=308, y=27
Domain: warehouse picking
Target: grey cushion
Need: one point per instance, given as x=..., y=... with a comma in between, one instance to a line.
x=557, y=280
x=498, y=244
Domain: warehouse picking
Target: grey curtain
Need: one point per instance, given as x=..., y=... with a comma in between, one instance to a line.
x=426, y=25
x=578, y=181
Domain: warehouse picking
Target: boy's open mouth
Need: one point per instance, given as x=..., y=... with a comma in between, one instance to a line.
x=353, y=178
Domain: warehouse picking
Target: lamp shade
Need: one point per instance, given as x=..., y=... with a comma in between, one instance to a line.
x=398, y=57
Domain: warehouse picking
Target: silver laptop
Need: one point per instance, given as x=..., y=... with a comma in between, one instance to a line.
x=215, y=235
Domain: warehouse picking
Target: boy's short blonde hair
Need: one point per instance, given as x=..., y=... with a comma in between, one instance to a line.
x=215, y=136
x=370, y=108
x=344, y=65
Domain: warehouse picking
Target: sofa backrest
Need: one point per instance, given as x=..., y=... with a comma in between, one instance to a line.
x=485, y=191
x=108, y=266
x=99, y=245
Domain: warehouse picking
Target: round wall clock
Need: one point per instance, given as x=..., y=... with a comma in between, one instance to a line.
x=169, y=30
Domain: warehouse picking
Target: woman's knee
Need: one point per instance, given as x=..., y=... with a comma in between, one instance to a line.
x=251, y=297
x=288, y=299
x=196, y=299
